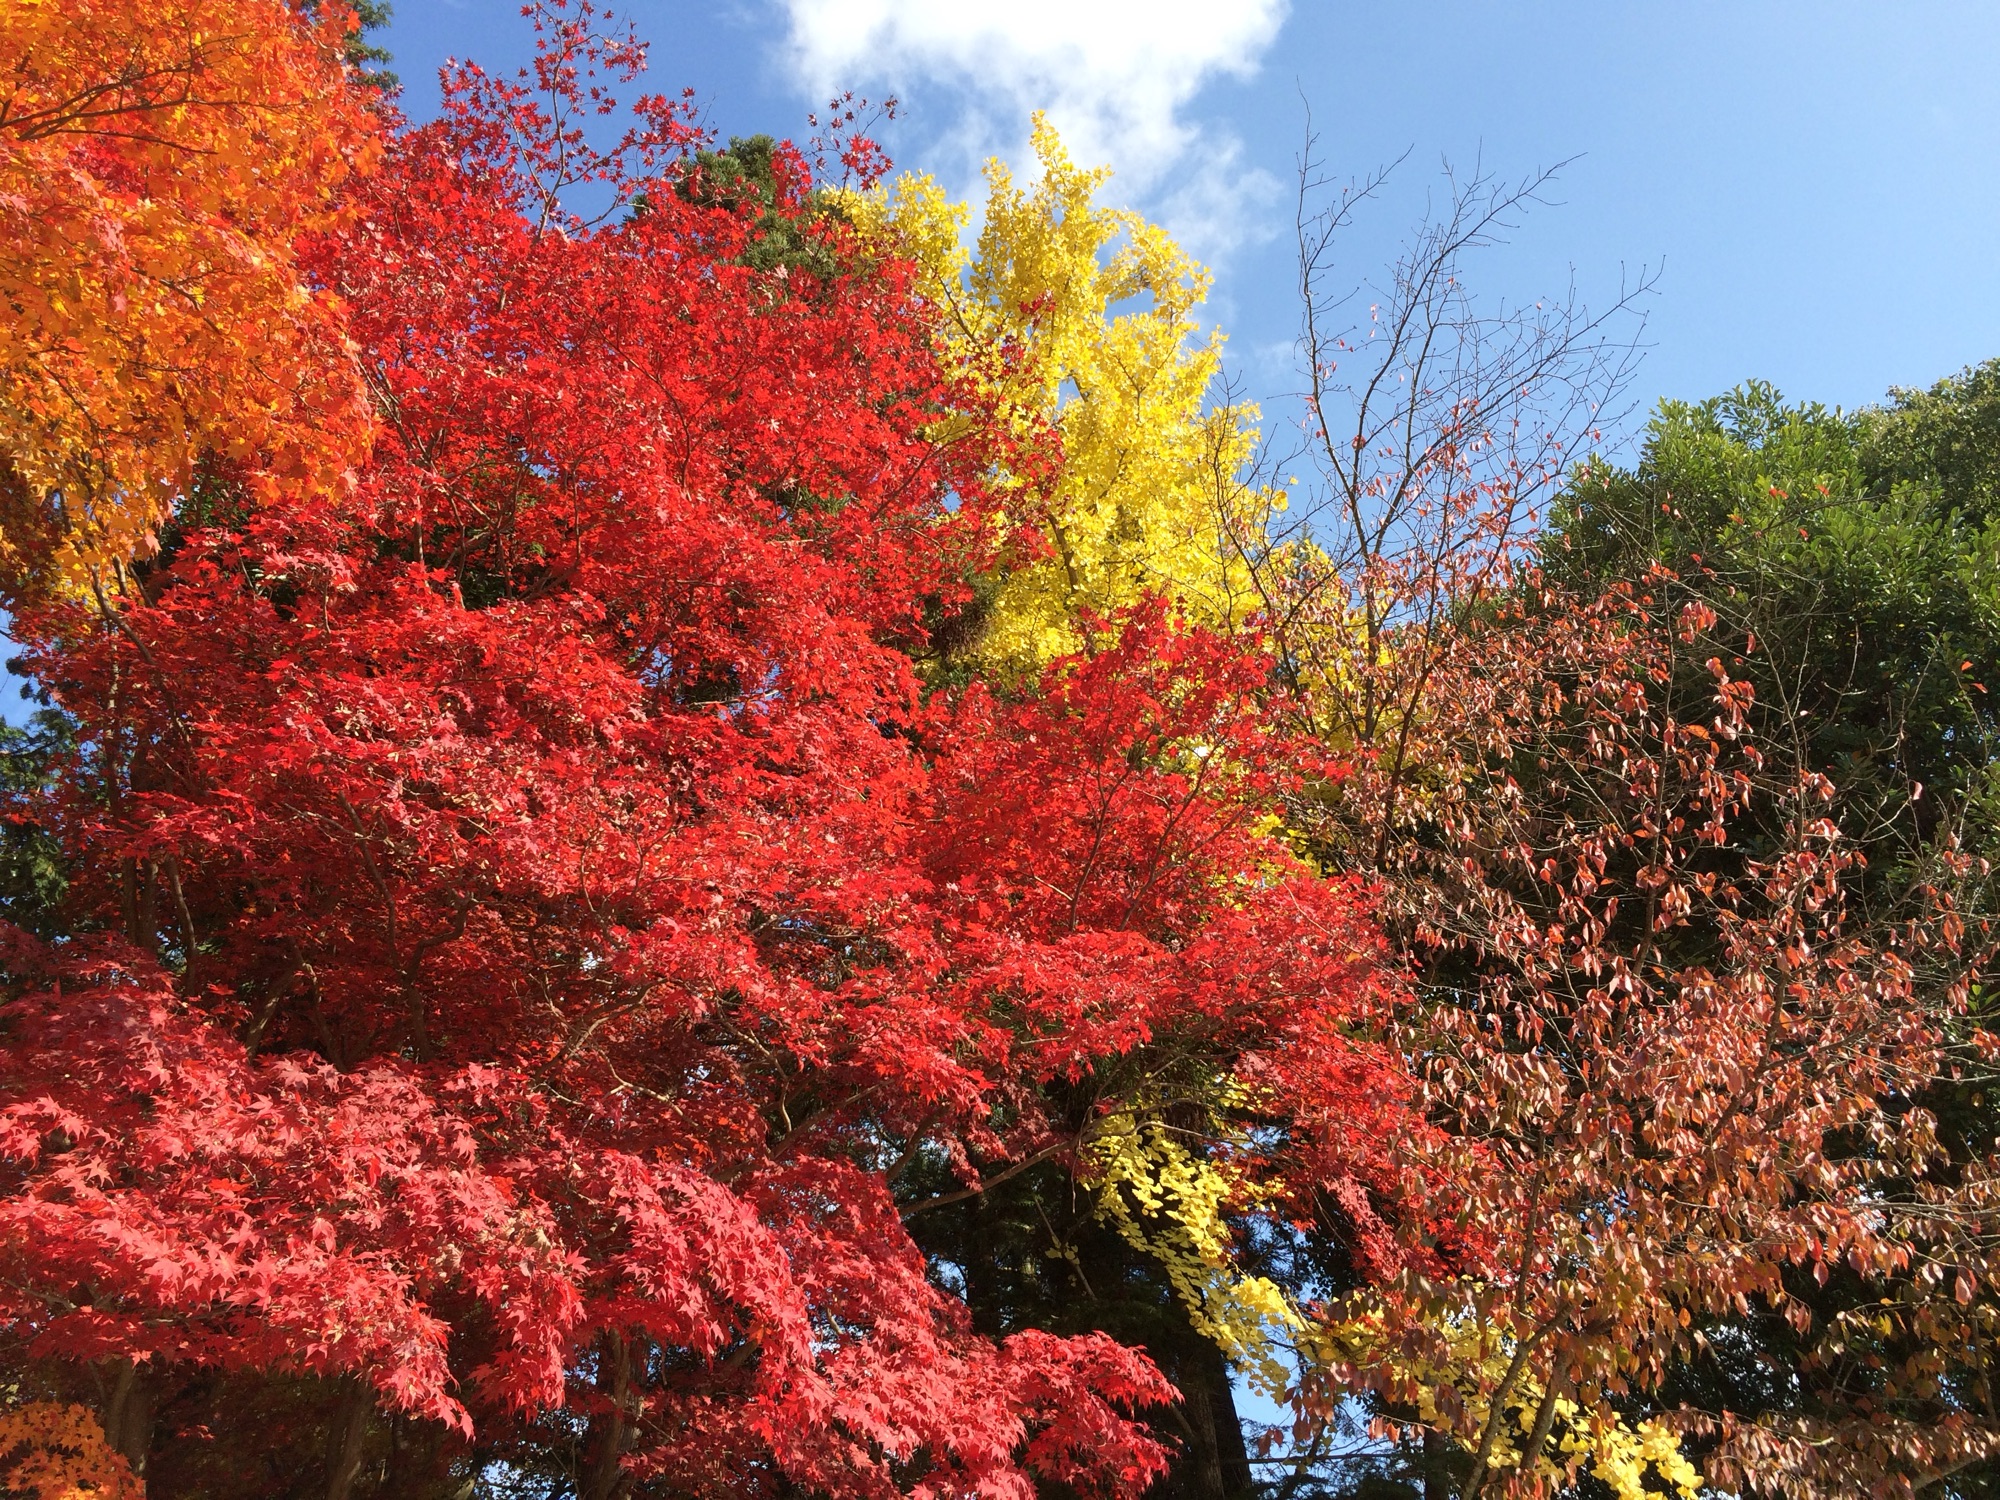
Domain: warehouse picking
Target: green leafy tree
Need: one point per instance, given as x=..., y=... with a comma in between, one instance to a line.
x=32, y=875
x=1859, y=559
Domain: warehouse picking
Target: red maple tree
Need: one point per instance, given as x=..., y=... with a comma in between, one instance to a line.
x=526, y=915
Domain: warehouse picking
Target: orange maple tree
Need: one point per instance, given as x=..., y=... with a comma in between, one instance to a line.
x=157, y=164
x=54, y=1451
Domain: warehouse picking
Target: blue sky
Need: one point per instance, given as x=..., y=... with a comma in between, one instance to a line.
x=1818, y=184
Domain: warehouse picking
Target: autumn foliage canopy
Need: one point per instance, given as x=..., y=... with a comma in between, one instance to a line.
x=528, y=911
x=654, y=867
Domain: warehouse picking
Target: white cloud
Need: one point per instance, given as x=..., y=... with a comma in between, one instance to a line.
x=1220, y=202
x=1116, y=77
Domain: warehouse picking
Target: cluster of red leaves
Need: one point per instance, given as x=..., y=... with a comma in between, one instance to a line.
x=540, y=913
x=1112, y=856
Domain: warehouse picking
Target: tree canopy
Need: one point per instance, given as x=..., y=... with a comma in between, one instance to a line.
x=683, y=836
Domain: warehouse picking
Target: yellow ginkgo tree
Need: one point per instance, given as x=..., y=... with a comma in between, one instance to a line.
x=1084, y=316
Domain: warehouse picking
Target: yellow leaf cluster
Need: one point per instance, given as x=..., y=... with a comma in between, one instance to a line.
x=1169, y=1203
x=55, y=1452
x=1083, y=316
x=1470, y=1359
x=158, y=162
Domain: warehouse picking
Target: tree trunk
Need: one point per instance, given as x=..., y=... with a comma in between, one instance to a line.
x=1214, y=1462
x=1438, y=1482
x=1132, y=1301
x=128, y=1412
x=604, y=1469
x=1232, y=1454
x=347, y=1438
